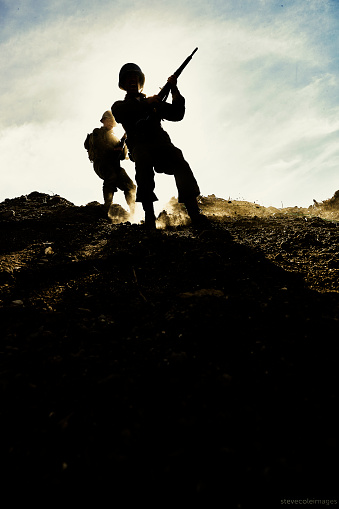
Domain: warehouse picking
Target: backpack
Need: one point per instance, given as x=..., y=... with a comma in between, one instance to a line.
x=89, y=146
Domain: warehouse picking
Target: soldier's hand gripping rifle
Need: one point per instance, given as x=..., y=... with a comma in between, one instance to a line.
x=164, y=92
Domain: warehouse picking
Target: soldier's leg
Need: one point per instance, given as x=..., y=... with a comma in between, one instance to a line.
x=108, y=193
x=170, y=160
x=129, y=188
x=109, y=177
x=149, y=215
x=144, y=177
x=188, y=189
x=144, y=173
x=187, y=186
x=130, y=200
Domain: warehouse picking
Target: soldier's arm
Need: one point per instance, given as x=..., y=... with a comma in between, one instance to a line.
x=116, y=111
x=175, y=111
x=172, y=80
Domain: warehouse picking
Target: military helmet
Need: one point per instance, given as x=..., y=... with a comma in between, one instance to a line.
x=130, y=68
x=108, y=114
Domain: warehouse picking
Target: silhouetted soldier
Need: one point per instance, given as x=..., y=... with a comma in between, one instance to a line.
x=150, y=147
x=107, y=154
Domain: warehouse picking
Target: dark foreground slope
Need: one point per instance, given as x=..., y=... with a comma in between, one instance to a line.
x=184, y=364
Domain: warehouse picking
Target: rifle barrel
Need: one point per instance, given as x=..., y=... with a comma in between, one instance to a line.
x=163, y=94
x=183, y=65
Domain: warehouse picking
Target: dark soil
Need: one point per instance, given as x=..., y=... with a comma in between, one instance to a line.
x=180, y=364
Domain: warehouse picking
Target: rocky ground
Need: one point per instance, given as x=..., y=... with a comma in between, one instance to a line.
x=184, y=363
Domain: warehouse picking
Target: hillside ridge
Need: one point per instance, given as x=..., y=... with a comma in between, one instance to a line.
x=163, y=360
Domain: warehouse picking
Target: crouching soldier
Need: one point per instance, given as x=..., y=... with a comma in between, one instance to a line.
x=106, y=154
x=150, y=147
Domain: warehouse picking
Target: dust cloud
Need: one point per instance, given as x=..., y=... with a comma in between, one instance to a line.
x=174, y=214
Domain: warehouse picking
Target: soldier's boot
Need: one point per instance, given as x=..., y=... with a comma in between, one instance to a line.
x=198, y=219
x=149, y=215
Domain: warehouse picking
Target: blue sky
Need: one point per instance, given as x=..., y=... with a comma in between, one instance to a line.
x=262, y=118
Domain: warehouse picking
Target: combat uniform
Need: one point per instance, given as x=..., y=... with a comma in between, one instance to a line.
x=150, y=146
x=106, y=164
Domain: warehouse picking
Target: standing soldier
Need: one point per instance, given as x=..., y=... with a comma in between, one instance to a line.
x=150, y=147
x=106, y=152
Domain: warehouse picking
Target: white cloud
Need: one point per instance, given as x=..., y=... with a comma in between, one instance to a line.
x=261, y=93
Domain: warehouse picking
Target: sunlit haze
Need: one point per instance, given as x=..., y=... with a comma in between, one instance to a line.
x=262, y=102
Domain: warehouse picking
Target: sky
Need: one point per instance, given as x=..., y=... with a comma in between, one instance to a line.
x=262, y=93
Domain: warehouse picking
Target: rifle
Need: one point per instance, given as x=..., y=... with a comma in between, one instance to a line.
x=164, y=92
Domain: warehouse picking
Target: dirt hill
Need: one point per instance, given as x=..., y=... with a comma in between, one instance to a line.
x=199, y=364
